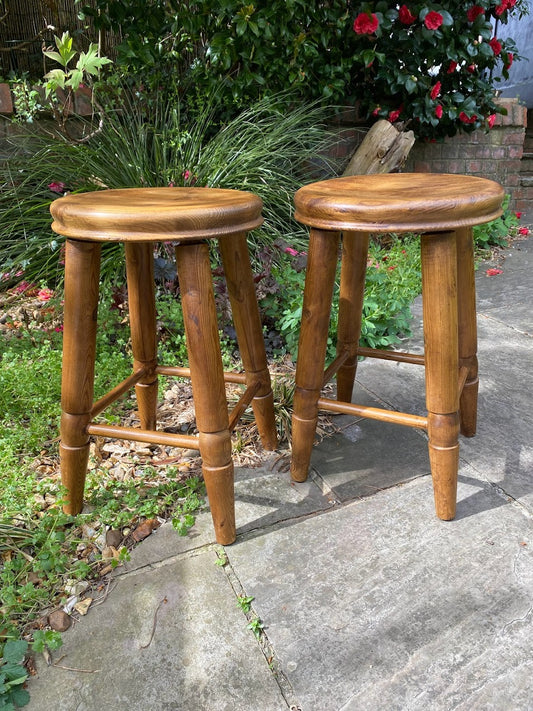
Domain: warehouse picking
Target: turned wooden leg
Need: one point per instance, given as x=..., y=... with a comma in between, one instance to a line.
x=141, y=301
x=352, y=289
x=247, y=322
x=439, y=298
x=318, y=294
x=207, y=379
x=466, y=294
x=82, y=276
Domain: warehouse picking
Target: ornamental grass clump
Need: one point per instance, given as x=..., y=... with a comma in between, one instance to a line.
x=434, y=67
x=145, y=141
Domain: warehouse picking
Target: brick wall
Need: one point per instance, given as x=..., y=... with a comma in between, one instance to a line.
x=496, y=154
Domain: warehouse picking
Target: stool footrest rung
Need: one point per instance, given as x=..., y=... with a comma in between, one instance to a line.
x=241, y=405
x=176, y=372
x=133, y=434
x=463, y=375
x=398, y=356
x=373, y=413
x=334, y=366
x=114, y=394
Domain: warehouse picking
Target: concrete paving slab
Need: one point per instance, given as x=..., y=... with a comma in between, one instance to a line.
x=379, y=606
x=168, y=639
x=263, y=497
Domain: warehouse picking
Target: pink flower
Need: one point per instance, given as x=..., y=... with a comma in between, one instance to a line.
x=45, y=294
x=518, y=214
x=494, y=272
x=376, y=111
x=59, y=329
x=491, y=119
x=291, y=251
x=406, y=16
x=474, y=12
x=22, y=287
x=452, y=67
x=523, y=231
x=57, y=187
x=465, y=119
x=438, y=111
x=495, y=46
x=435, y=91
x=433, y=20
x=510, y=57
x=365, y=23
x=471, y=68
x=186, y=174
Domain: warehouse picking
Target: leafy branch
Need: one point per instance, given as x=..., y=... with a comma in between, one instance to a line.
x=69, y=79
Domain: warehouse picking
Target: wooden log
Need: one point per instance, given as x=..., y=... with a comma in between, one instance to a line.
x=384, y=150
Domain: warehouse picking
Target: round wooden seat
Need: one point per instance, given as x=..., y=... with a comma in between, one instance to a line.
x=399, y=202
x=442, y=209
x=149, y=214
x=187, y=217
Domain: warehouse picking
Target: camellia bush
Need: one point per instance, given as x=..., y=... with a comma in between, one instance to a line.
x=434, y=66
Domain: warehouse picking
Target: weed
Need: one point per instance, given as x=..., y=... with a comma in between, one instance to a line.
x=256, y=626
x=245, y=603
x=496, y=233
x=13, y=675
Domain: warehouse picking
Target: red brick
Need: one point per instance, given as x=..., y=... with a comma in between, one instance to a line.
x=6, y=103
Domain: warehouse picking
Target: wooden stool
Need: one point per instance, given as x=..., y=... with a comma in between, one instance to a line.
x=139, y=217
x=442, y=208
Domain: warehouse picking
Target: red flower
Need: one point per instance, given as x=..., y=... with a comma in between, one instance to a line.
x=505, y=5
x=518, y=214
x=438, y=111
x=510, y=57
x=523, y=231
x=433, y=20
x=452, y=67
x=495, y=46
x=465, y=119
x=406, y=16
x=494, y=271
x=365, y=24
x=491, y=119
x=395, y=115
x=376, y=111
x=471, y=68
x=435, y=91
x=474, y=12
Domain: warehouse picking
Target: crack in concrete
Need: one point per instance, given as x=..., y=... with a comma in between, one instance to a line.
x=267, y=649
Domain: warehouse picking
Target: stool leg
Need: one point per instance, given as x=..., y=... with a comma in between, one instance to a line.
x=352, y=289
x=141, y=300
x=318, y=293
x=207, y=379
x=466, y=294
x=439, y=299
x=82, y=276
x=247, y=321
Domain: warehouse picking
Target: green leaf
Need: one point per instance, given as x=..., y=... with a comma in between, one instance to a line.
x=55, y=56
x=14, y=650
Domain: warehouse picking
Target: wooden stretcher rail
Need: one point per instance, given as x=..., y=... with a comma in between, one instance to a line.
x=149, y=436
x=373, y=413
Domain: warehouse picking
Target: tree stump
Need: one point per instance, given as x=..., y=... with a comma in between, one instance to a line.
x=384, y=150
